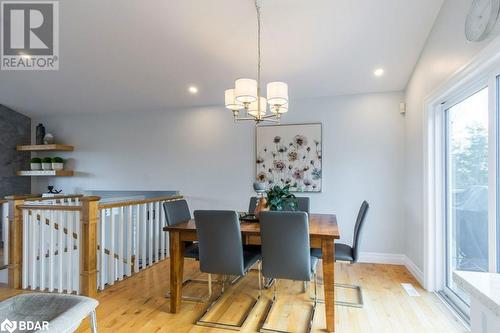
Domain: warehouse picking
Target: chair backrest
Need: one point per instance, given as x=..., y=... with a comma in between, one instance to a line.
x=357, y=229
x=219, y=241
x=252, y=205
x=302, y=205
x=176, y=212
x=285, y=245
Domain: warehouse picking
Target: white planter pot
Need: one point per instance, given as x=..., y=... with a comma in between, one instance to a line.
x=47, y=166
x=36, y=166
x=57, y=166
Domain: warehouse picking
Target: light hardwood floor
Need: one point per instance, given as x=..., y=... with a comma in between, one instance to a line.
x=138, y=304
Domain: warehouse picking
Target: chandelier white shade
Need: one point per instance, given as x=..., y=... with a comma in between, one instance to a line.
x=277, y=93
x=230, y=100
x=280, y=109
x=253, y=108
x=247, y=92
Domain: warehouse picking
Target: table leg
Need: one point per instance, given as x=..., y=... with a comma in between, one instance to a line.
x=176, y=271
x=328, y=249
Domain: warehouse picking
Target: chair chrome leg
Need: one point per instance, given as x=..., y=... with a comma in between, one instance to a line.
x=193, y=298
x=268, y=283
x=358, y=304
x=93, y=322
x=264, y=329
x=202, y=322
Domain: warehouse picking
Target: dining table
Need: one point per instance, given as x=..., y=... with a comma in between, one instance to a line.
x=323, y=230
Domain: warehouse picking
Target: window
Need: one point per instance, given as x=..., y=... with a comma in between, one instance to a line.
x=466, y=189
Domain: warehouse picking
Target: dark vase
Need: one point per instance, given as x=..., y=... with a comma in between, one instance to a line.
x=40, y=134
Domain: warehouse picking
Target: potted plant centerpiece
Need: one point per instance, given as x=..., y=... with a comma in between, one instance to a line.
x=47, y=163
x=280, y=198
x=57, y=163
x=36, y=163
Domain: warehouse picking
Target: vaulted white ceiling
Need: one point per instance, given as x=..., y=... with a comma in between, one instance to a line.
x=124, y=55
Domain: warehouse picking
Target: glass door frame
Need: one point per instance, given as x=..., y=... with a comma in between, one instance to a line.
x=458, y=302
x=490, y=80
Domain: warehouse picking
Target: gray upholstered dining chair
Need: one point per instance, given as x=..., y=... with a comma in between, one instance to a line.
x=286, y=254
x=222, y=252
x=63, y=313
x=344, y=252
x=303, y=205
x=177, y=212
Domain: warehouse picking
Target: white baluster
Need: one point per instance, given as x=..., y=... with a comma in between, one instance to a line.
x=112, y=270
x=69, y=254
x=150, y=238
x=129, y=240
x=5, y=221
x=30, y=246
x=103, y=246
x=143, y=222
x=137, y=235
x=120, y=243
x=162, y=233
x=42, y=250
x=34, y=249
x=78, y=232
x=60, y=250
x=51, y=251
x=157, y=230
x=26, y=244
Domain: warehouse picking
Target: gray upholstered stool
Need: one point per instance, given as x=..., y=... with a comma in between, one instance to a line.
x=64, y=313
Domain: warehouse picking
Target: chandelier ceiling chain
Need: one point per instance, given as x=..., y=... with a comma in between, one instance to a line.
x=246, y=95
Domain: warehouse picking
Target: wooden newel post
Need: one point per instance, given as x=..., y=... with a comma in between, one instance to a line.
x=88, y=254
x=15, y=240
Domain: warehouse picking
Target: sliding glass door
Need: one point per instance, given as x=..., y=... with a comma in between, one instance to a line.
x=466, y=189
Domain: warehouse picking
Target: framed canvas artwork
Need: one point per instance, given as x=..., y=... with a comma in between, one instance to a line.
x=290, y=155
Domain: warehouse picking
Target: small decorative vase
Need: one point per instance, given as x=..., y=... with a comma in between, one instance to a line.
x=48, y=139
x=260, y=207
x=57, y=166
x=36, y=166
x=40, y=134
x=47, y=166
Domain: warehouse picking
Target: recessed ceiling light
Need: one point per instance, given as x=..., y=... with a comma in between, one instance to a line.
x=193, y=90
x=378, y=72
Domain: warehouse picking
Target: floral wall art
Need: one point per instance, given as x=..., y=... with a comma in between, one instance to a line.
x=290, y=155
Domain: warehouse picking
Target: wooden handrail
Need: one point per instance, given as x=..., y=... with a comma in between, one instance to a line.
x=22, y=196
x=2, y=201
x=55, y=197
x=50, y=207
x=139, y=202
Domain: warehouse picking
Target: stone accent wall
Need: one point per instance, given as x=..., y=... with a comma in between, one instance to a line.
x=15, y=129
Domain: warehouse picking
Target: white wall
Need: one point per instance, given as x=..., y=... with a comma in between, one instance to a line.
x=202, y=153
x=446, y=51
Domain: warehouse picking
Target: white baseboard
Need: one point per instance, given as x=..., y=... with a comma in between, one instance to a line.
x=393, y=259
x=414, y=270
x=382, y=258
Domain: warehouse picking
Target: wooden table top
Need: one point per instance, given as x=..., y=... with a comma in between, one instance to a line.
x=320, y=226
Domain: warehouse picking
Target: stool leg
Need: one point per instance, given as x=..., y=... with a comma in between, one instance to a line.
x=93, y=322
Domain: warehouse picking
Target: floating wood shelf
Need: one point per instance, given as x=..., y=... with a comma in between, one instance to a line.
x=62, y=173
x=52, y=147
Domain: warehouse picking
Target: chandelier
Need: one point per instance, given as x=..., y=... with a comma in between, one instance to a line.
x=246, y=94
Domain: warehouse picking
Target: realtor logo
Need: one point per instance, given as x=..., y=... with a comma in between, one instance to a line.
x=29, y=35
x=8, y=325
